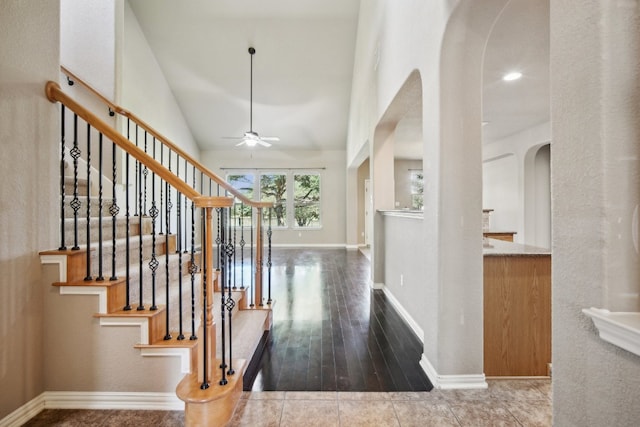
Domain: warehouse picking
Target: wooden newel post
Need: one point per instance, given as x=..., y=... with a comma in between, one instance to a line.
x=206, y=349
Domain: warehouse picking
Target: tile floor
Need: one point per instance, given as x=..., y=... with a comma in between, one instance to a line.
x=504, y=403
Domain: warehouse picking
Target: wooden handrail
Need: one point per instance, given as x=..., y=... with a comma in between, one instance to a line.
x=55, y=94
x=124, y=112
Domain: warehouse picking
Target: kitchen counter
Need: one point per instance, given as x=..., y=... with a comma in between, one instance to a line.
x=495, y=247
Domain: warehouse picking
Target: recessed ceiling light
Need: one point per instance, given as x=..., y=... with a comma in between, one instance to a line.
x=513, y=75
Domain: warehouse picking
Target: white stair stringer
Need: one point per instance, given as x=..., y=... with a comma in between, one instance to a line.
x=142, y=323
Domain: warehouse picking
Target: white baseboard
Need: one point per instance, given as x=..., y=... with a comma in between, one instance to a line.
x=24, y=413
x=448, y=382
x=112, y=400
x=309, y=245
x=92, y=400
x=404, y=314
x=376, y=285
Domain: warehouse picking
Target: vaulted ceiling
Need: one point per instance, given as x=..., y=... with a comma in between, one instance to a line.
x=303, y=69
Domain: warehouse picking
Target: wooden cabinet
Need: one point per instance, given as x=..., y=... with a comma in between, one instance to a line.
x=517, y=315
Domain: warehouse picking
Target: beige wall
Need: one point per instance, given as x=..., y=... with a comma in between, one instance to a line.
x=363, y=174
x=29, y=42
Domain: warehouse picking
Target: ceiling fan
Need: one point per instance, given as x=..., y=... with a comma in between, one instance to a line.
x=251, y=138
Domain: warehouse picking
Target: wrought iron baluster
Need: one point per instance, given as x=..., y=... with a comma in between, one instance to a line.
x=100, y=277
x=235, y=266
x=184, y=234
x=230, y=303
x=88, y=276
x=75, y=203
x=145, y=172
x=161, y=188
x=153, y=213
x=63, y=245
x=221, y=279
x=137, y=175
x=193, y=268
x=113, y=210
x=220, y=256
x=167, y=281
x=269, y=233
x=141, y=278
x=253, y=267
x=242, y=244
x=127, y=305
x=179, y=232
x=205, y=296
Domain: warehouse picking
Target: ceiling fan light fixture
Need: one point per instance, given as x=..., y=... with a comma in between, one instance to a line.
x=511, y=76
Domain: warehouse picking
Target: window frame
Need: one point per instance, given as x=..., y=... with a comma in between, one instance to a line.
x=290, y=174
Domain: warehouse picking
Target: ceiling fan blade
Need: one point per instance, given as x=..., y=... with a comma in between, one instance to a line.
x=270, y=138
x=241, y=143
x=262, y=142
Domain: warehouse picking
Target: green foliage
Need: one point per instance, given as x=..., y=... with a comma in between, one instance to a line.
x=307, y=200
x=273, y=188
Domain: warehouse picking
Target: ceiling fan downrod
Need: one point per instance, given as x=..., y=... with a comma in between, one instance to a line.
x=252, y=52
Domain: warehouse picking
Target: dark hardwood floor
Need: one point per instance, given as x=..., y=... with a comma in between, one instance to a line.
x=332, y=332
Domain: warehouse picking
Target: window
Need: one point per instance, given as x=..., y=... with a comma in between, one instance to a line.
x=417, y=189
x=295, y=206
x=273, y=188
x=245, y=183
x=306, y=201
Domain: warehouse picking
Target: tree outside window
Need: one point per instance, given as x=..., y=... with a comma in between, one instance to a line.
x=417, y=189
x=273, y=188
x=306, y=203
x=244, y=183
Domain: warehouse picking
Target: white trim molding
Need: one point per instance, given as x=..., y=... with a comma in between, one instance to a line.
x=183, y=353
x=449, y=382
x=404, y=314
x=92, y=400
x=376, y=285
x=61, y=260
x=24, y=413
x=618, y=328
x=141, y=322
x=100, y=291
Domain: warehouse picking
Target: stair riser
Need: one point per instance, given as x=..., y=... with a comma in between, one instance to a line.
x=107, y=229
x=69, y=186
x=134, y=253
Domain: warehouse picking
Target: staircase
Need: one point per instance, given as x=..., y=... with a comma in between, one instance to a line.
x=154, y=275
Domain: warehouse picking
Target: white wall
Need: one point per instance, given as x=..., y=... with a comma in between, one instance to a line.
x=29, y=137
x=500, y=192
x=595, y=168
x=333, y=190
x=519, y=183
x=396, y=41
x=542, y=197
x=145, y=91
x=88, y=41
